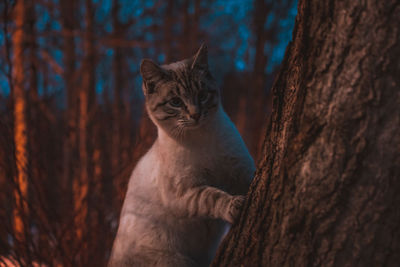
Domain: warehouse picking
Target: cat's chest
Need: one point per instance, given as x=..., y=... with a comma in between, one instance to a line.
x=211, y=165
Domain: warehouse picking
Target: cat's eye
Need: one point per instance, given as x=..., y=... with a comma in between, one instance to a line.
x=203, y=96
x=176, y=102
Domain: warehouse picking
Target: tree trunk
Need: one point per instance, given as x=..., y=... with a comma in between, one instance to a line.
x=117, y=108
x=169, y=20
x=69, y=58
x=195, y=27
x=254, y=106
x=69, y=170
x=185, y=49
x=327, y=190
x=20, y=127
x=86, y=95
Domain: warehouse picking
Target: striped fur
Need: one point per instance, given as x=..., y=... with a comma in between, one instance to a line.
x=189, y=186
x=185, y=80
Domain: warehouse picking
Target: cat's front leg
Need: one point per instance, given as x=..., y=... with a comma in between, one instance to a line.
x=206, y=201
x=235, y=206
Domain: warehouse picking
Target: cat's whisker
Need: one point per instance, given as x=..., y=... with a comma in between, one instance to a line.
x=176, y=131
x=181, y=133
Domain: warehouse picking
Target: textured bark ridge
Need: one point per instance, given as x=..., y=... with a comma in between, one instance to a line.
x=327, y=192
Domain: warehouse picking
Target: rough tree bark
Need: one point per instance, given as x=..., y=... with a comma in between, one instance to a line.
x=326, y=192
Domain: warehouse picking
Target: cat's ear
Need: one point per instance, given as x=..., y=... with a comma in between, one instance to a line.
x=151, y=74
x=200, y=59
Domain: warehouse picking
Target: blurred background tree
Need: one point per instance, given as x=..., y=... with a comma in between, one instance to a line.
x=72, y=122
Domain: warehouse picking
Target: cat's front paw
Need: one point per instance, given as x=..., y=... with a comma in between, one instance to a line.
x=235, y=206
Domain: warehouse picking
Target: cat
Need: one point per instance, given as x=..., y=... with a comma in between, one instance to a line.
x=187, y=189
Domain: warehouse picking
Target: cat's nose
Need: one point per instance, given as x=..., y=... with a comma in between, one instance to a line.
x=195, y=116
x=194, y=112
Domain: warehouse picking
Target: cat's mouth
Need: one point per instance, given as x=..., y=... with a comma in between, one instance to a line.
x=192, y=124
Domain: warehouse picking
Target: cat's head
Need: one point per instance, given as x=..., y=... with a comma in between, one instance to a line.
x=181, y=96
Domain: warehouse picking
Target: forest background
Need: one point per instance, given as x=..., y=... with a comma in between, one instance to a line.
x=72, y=122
